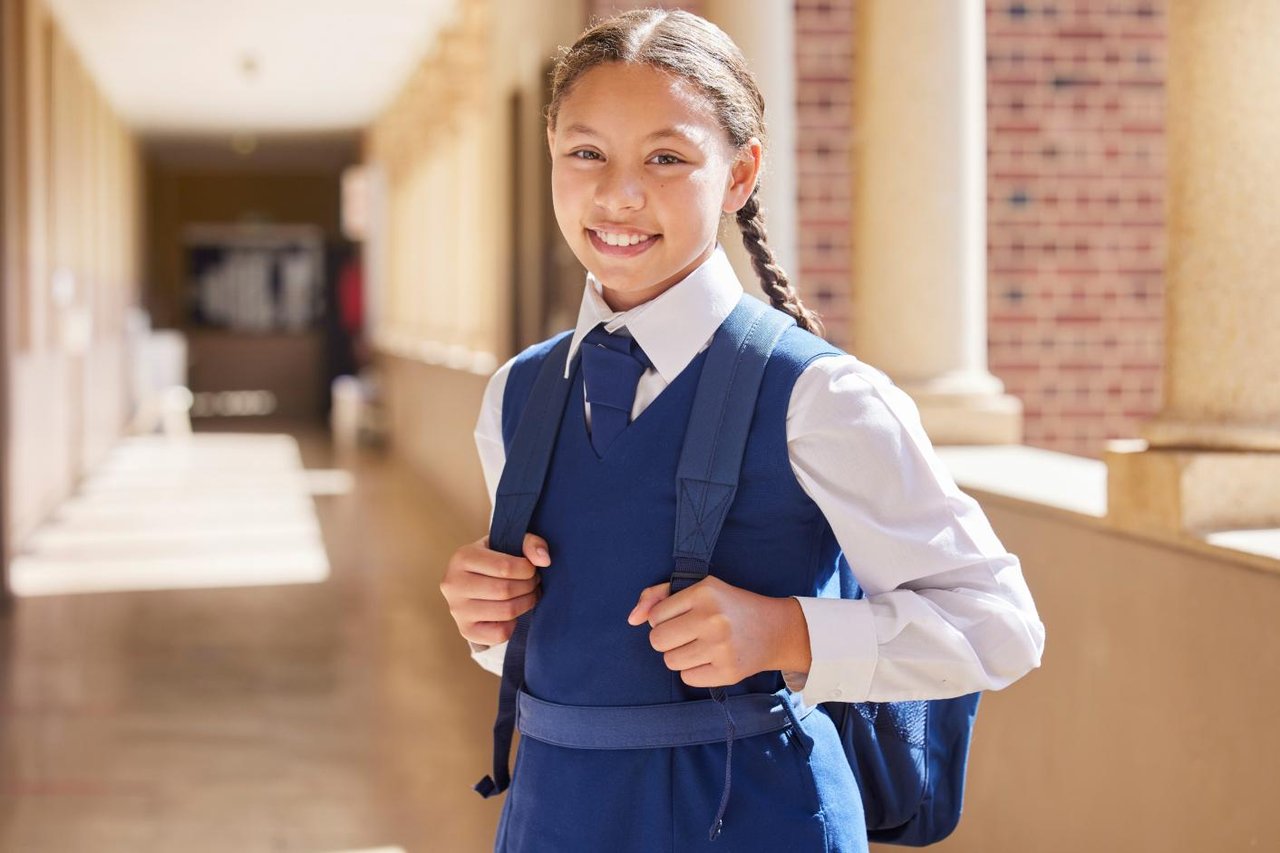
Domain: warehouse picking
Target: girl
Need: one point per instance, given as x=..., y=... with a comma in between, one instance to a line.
x=656, y=134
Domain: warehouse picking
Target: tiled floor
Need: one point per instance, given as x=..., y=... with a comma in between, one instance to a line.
x=317, y=717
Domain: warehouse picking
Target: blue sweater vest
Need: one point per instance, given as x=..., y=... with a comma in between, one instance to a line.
x=610, y=525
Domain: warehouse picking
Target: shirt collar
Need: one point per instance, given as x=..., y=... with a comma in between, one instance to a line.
x=672, y=327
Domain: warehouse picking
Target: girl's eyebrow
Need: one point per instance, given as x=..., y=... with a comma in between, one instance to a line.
x=669, y=133
x=664, y=133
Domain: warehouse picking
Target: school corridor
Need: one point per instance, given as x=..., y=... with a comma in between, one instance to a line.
x=307, y=692
x=259, y=259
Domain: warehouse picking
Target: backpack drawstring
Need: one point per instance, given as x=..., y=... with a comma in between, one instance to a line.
x=805, y=740
x=717, y=824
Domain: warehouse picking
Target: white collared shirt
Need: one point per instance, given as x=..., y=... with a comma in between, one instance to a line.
x=946, y=610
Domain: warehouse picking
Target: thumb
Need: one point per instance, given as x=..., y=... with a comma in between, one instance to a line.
x=535, y=550
x=648, y=598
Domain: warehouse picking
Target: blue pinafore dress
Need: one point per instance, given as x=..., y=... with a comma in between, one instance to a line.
x=610, y=524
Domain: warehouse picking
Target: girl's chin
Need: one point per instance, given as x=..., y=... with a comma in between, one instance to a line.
x=621, y=294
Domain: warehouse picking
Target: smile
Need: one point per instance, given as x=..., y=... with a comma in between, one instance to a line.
x=618, y=244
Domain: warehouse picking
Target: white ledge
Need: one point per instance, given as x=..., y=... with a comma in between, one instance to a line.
x=1075, y=484
x=1263, y=543
x=1076, y=487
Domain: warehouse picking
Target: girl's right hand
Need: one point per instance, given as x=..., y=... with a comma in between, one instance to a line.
x=487, y=590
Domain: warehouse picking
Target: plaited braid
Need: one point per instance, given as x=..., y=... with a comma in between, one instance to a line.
x=773, y=281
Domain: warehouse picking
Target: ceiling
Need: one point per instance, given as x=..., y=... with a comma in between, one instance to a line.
x=193, y=69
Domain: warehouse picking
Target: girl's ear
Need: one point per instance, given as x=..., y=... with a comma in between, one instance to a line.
x=743, y=173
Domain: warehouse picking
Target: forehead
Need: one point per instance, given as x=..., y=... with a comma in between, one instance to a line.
x=625, y=100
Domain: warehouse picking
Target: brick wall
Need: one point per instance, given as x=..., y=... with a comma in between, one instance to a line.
x=604, y=8
x=1076, y=214
x=1075, y=202
x=824, y=171
x=824, y=61
x=1076, y=175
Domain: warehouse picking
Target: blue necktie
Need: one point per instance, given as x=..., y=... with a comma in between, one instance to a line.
x=612, y=366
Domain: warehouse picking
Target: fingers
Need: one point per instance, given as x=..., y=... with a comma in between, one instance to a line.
x=490, y=633
x=501, y=611
x=486, y=561
x=688, y=656
x=481, y=560
x=535, y=550
x=649, y=597
x=488, y=590
x=693, y=632
x=674, y=633
x=706, y=676
x=700, y=662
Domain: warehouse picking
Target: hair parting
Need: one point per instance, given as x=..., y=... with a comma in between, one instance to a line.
x=696, y=50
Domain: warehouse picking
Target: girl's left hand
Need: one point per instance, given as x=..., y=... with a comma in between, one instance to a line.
x=715, y=634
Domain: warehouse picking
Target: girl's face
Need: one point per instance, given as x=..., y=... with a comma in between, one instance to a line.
x=641, y=172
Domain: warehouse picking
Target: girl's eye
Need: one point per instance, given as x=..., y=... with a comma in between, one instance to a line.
x=584, y=154
x=667, y=159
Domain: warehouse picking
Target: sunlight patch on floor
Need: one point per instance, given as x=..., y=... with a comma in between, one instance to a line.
x=209, y=510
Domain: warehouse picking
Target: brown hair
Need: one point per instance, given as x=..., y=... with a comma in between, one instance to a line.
x=696, y=50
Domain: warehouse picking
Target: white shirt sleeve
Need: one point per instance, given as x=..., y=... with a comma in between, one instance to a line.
x=493, y=455
x=946, y=610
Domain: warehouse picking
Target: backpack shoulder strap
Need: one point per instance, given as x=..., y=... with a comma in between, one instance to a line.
x=710, y=459
x=714, y=441
x=520, y=379
x=523, y=475
x=529, y=452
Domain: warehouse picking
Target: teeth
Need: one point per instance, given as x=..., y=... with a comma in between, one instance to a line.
x=620, y=239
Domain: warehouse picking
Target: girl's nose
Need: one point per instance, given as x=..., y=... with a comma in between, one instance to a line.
x=619, y=189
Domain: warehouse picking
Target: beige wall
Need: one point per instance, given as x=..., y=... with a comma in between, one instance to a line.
x=1151, y=724
x=432, y=412
x=73, y=231
x=446, y=310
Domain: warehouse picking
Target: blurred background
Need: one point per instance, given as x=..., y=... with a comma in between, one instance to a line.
x=259, y=258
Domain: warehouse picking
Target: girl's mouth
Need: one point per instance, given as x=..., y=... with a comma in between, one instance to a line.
x=630, y=244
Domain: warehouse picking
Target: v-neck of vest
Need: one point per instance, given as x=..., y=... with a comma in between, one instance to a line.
x=629, y=430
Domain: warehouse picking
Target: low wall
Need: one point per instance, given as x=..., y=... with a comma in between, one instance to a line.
x=1151, y=723
x=65, y=410
x=432, y=413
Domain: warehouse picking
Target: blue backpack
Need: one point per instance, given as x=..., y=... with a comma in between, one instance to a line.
x=909, y=758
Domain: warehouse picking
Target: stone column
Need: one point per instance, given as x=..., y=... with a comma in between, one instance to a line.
x=1212, y=458
x=765, y=31
x=920, y=214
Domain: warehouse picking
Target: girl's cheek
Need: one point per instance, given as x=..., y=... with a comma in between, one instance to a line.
x=569, y=185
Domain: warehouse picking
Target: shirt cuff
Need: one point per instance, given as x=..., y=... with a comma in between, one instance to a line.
x=489, y=657
x=843, y=644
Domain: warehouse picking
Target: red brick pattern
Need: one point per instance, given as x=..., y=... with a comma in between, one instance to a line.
x=824, y=168
x=1075, y=92
x=824, y=60
x=597, y=9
